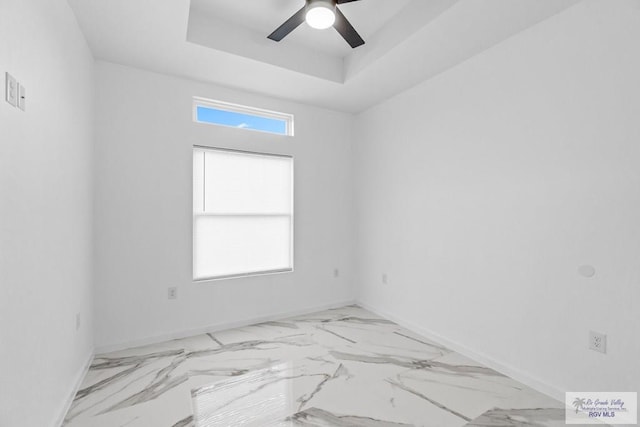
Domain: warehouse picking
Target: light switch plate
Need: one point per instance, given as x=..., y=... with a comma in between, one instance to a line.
x=22, y=94
x=11, y=90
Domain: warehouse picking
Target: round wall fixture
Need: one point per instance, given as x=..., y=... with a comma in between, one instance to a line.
x=587, y=271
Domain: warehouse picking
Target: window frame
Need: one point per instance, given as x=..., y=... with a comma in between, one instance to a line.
x=194, y=215
x=243, y=109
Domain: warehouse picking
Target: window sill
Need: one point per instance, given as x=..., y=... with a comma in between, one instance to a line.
x=243, y=275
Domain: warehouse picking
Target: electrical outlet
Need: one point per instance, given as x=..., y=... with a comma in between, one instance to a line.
x=385, y=278
x=172, y=293
x=11, y=88
x=77, y=321
x=336, y=272
x=597, y=342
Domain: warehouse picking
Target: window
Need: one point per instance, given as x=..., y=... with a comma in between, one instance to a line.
x=241, y=117
x=242, y=213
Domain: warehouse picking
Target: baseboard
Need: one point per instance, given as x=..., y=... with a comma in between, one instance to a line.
x=76, y=387
x=217, y=327
x=508, y=370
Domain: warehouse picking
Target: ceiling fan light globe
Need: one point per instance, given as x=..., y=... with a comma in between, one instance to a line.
x=320, y=16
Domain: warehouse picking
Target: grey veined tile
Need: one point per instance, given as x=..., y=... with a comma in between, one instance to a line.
x=341, y=367
x=315, y=417
x=532, y=417
x=457, y=384
x=265, y=397
x=527, y=408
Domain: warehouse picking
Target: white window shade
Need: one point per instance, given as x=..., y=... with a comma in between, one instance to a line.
x=243, y=213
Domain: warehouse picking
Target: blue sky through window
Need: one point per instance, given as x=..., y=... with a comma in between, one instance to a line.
x=241, y=120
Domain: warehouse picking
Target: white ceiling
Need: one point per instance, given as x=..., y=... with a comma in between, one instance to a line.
x=224, y=42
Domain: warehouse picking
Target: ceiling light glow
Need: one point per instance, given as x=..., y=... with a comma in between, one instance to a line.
x=320, y=15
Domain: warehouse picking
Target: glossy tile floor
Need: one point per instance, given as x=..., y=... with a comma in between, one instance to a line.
x=342, y=367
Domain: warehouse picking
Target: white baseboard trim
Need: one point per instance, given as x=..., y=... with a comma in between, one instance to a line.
x=508, y=370
x=217, y=327
x=76, y=387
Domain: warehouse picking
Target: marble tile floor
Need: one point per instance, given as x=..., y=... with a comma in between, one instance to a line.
x=341, y=367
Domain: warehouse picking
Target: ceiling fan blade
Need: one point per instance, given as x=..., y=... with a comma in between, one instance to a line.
x=289, y=25
x=346, y=30
x=345, y=1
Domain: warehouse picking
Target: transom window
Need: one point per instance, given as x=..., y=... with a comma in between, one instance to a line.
x=242, y=117
x=242, y=213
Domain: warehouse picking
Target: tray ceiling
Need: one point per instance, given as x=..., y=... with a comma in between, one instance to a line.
x=224, y=42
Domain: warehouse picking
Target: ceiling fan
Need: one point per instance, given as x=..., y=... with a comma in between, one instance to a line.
x=321, y=14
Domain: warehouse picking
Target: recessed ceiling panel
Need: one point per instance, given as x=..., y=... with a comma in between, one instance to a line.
x=264, y=16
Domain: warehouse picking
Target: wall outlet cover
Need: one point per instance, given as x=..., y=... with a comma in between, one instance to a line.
x=172, y=293
x=597, y=342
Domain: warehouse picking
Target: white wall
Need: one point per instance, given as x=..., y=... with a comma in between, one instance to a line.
x=45, y=211
x=481, y=192
x=143, y=228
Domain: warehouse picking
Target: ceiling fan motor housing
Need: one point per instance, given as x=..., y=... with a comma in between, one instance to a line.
x=326, y=3
x=321, y=14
